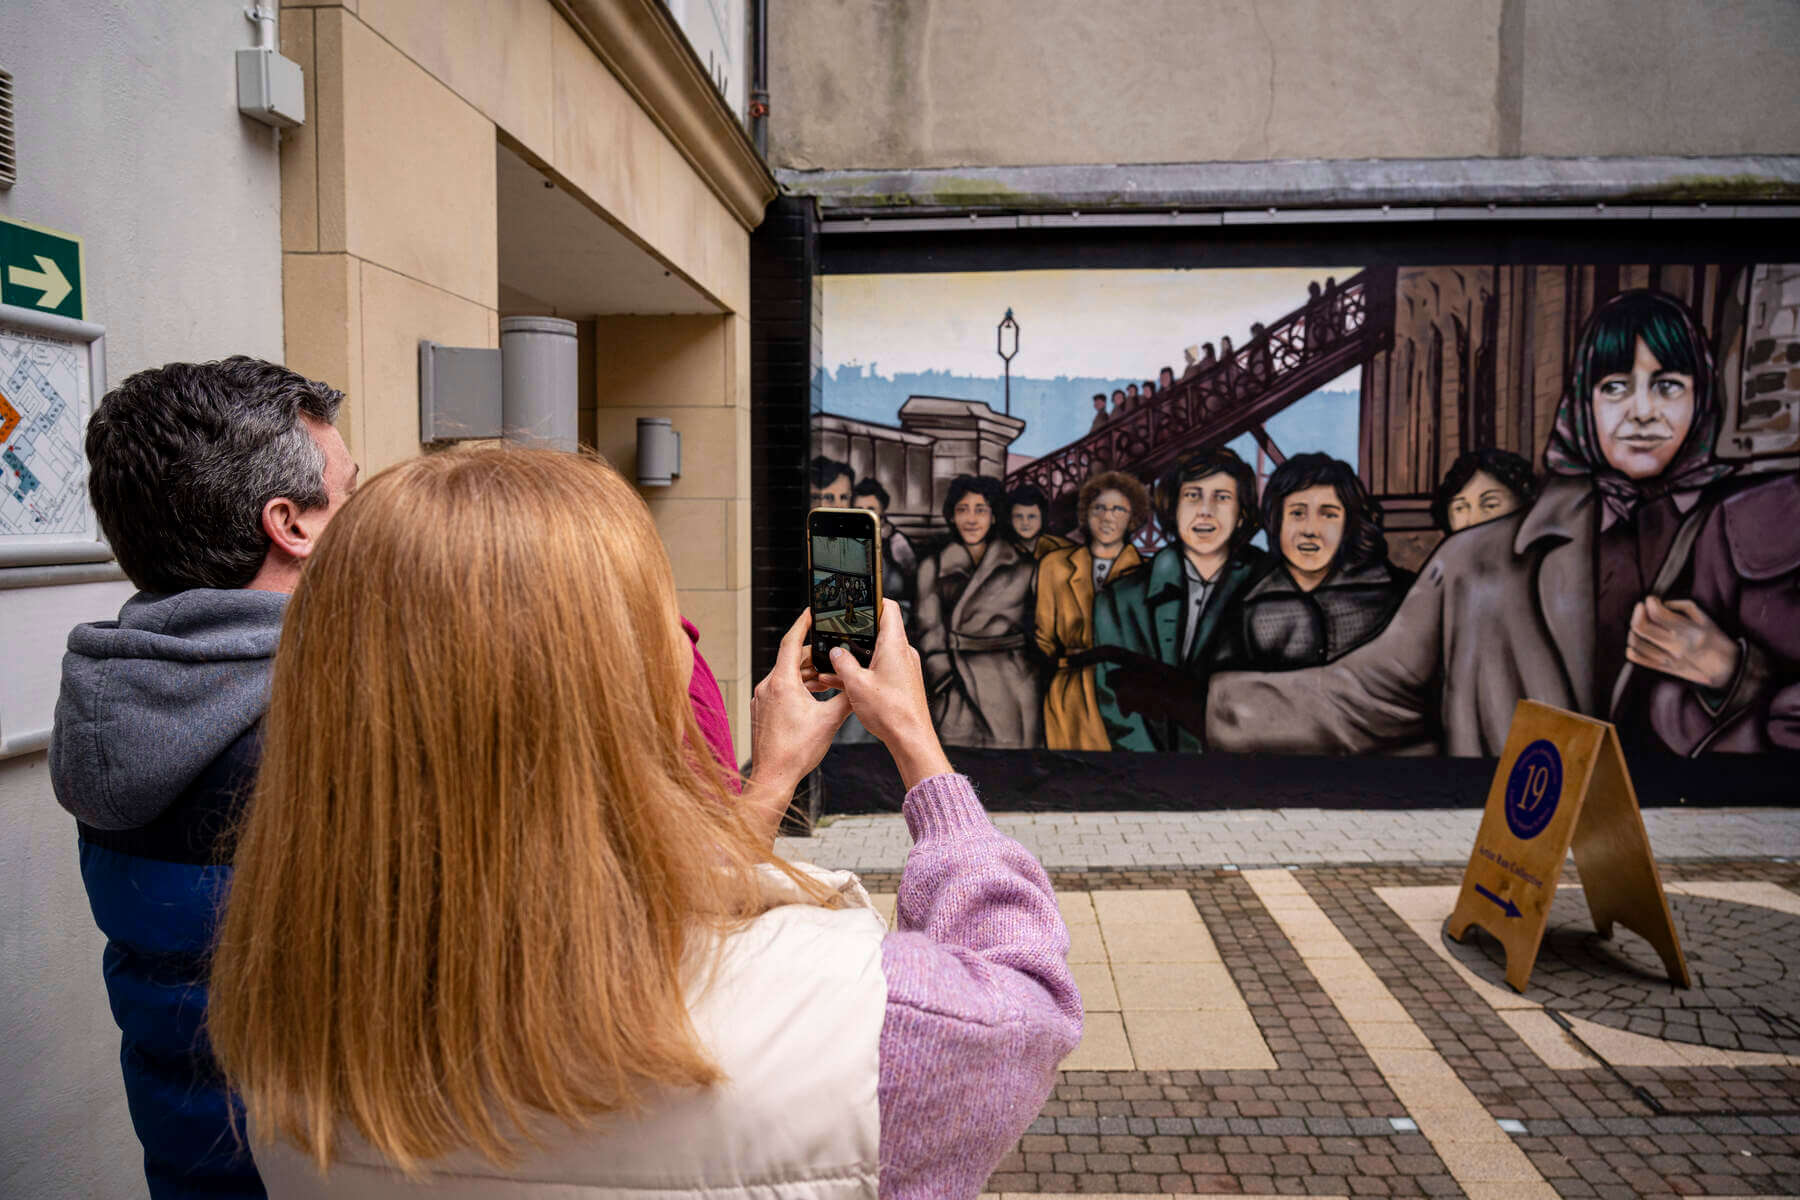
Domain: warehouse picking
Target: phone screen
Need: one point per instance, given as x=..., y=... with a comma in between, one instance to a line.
x=846, y=583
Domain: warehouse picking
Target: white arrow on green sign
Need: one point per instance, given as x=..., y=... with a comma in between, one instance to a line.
x=41, y=270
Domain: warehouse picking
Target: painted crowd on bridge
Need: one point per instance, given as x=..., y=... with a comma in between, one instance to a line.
x=1264, y=603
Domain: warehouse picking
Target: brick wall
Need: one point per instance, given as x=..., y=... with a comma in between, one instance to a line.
x=785, y=317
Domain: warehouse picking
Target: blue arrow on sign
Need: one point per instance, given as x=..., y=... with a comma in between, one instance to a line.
x=1511, y=909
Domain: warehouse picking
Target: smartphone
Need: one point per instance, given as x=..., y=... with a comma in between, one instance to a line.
x=843, y=563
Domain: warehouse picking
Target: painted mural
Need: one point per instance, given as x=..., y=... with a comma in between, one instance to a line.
x=1331, y=511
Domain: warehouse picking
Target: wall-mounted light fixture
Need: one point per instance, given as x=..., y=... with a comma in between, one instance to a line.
x=658, y=452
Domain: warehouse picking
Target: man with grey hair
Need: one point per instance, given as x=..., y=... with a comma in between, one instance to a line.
x=212, y=482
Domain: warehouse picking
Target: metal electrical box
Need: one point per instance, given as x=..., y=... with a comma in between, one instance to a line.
x=271, y=89
x=459, y=393
x=526, y=391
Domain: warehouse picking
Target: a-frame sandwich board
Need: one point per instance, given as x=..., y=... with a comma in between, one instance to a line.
x=1562, y=785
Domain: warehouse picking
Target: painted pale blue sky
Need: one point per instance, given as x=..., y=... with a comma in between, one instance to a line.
x=1081, y=322
x=1080, y=331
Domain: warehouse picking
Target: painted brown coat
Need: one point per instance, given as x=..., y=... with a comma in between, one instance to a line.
x=973, y=646
x=1746, y=576
x=1065, y=626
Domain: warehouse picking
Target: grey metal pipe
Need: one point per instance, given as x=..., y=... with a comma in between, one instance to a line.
x=539, y=382
x=759, y=75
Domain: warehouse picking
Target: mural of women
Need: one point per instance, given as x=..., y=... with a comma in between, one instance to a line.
x=1537, y=604
x=1112, y=507
x=1329, y=587
x=973, y=616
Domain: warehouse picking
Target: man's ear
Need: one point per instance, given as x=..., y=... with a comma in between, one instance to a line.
x=286, y=532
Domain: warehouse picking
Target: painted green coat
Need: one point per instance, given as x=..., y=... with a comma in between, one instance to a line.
x=1144, y=613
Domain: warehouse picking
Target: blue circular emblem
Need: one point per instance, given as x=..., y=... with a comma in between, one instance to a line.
x=1533, y=789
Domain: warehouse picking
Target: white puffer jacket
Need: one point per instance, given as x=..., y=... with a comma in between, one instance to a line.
x=793, y=1016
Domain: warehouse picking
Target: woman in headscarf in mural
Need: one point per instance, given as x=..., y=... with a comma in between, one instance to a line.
x=1538, y=604
x=1329, y=587
x=1113, y=506
x=974, y=625
x=1646, y=440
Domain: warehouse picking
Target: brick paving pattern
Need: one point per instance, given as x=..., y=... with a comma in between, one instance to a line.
x=1618, y=1131
x=1505, y=1073
x=1325, y=1121
x=1309, y=1126
x=1745, y=995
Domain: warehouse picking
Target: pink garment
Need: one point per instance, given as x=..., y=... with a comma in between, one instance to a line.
x=709, y=708
x=981, y=1005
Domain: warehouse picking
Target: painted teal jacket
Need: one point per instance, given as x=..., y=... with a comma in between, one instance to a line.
x=1145, y=612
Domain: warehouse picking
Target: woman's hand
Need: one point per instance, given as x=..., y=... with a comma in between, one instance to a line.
x=1678, y=638
x=789, y=729
x=888, y=696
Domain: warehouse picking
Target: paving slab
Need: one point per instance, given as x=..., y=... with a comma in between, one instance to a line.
x=1278, y=837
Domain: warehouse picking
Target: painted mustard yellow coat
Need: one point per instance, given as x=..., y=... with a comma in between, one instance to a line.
x=1065, y=626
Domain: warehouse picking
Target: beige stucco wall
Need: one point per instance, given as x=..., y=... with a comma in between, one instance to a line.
x=390, y=235
x=942, y=83
x=696, y=371
x=1660, y=77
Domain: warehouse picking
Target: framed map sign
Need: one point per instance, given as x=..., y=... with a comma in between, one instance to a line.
x=51, y=371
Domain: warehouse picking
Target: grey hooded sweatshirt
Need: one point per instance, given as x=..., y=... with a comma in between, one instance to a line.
x=155, y=746
x=149, y=700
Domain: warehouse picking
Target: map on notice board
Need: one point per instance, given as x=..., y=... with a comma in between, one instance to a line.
x=44, y=390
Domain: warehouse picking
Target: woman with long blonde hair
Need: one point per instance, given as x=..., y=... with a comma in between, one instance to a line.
x=499, y=925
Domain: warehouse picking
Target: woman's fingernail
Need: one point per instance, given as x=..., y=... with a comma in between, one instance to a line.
x=837, y=652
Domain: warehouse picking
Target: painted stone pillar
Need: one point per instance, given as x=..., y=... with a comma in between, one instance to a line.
x=968, y=438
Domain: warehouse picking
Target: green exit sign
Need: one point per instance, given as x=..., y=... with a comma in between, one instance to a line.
x=41, y=270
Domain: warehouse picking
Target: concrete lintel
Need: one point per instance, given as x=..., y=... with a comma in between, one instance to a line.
x=1312, y=183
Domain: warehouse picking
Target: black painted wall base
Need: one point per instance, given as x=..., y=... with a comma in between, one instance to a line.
x=862, y=779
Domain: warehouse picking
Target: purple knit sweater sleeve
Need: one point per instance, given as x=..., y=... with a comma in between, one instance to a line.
x=981, y=1005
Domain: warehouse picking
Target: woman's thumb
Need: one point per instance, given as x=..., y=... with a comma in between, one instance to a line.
x=845, y=666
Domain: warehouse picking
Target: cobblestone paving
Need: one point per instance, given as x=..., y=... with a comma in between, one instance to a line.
x=1326, y=1122
x=1745, y=995
x=1488, y=1056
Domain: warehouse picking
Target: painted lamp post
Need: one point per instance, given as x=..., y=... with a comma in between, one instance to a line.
x=1006, y=356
